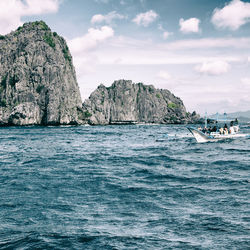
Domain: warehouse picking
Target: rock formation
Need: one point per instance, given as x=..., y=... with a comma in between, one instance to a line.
x=125, y=102
x=37, y=79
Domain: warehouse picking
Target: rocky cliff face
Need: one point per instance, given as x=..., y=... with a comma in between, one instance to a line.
x=37, y=79
x=127, y=102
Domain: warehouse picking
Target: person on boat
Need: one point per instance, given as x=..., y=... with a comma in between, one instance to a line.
x=231, y=129
x=214, y=129
x=236, y=128
x=221, y=130
x=225, y=126
x=225, y=131
x=209, y=129
x=236, y=125
x=231, y=123
x=204, y=130
x=216, y=126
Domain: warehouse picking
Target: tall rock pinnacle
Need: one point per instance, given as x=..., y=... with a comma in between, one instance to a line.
x=37, y=79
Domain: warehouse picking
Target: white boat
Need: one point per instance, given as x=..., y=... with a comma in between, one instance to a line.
x=205, y=135
x=213, y=136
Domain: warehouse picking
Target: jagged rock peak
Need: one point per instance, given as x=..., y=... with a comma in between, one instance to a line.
x=37, y=79
x=125, y=102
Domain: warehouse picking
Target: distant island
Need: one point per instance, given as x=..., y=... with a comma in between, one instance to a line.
x=126, y=103
x=38, y=86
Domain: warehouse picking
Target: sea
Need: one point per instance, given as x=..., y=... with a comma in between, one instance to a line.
x=122, y=187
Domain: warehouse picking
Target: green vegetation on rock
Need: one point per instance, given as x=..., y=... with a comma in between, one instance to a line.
x=4, y=81
x=158, y=95
x=151, y=90
x=41, y=24
x=49, y=40
x=3, y=103
x=103, y=97
x=87, y=114
x=172, y=105
x=19, y=30
x=13, y=80
x=39, y=88
x=66, y=54
x=16, y=102
x=2, y=37
x=173, y=119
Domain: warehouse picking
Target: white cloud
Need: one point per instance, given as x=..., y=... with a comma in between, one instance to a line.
x=145, y=52
x=164, y=75
x=166, y=34
x=190, y=25
x=19, y=8
x=154, y=58
x=38, y=7
x=213, y=67
x=245, y=81
x=232, y=16
x=82, y=49
x=209, y=43
x=160, y=27
x=90, y=40
x=146, y=18
x=106, y=18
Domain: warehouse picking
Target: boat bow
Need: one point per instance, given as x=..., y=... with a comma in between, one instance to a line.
x=200, y=136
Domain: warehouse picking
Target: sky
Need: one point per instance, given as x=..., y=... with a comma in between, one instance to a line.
x=198, y=49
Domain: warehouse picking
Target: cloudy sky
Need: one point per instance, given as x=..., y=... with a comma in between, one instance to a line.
x=198, y=49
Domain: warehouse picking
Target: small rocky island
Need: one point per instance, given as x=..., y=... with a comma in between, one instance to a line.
x=127, y=103
x=37, y=78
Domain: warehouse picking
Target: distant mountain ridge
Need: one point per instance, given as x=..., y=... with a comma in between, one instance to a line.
x=242, y=116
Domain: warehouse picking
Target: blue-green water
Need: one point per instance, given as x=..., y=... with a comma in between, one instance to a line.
x=122, y=187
